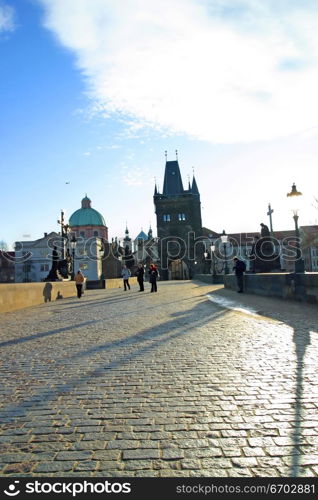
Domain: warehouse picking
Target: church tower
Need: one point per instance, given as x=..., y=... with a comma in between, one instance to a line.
x=178, y=212
x=127, y=240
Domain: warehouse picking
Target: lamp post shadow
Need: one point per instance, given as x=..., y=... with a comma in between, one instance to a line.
x=301, y=341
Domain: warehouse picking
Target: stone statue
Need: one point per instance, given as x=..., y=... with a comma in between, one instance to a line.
x=264, y=231
x=52, y=276
x=265, y=258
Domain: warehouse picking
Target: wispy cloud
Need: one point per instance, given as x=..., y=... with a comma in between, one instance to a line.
x=217, y=70
x=6, y=17
x=134, y=175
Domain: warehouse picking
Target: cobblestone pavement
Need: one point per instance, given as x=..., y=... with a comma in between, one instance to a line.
x=168, y=384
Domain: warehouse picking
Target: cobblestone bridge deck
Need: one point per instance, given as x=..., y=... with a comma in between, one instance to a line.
x=193, y=380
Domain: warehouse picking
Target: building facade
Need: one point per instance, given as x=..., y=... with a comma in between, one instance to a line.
x=7, y=266
x=33, y=259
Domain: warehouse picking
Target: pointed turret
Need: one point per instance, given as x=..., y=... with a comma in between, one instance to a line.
x=127, y=235
x=194, y=188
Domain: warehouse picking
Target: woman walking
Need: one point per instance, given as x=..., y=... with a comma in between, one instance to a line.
x=126, y=275
x=79, y=280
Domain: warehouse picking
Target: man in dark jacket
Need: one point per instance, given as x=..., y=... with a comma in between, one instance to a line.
x=239, y=268
x=140, y=277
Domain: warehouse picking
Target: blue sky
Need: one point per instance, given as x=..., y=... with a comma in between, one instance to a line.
x=92, y=94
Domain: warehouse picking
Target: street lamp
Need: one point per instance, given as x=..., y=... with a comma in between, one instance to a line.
x=224, y=239
x=206, y=263
x=294, y=200
x=73, y=246
x=212, y=248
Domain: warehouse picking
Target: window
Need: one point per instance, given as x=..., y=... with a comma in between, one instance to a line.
x=95, y=233
x=82, y=233
x=181, y=217
x=83, y=265
x=44, y=267
x=166, y=218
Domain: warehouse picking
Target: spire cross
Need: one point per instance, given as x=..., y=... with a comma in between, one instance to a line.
x=166, y=154
x=177, y=154
x=269, y=213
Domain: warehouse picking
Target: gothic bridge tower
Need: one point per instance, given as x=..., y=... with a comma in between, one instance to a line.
x=178, y=212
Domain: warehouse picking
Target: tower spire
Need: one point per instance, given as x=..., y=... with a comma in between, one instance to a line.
x=194, y=188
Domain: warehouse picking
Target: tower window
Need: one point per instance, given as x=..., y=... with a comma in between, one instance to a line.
x=166, y=218
x=181, y=217
x=82, y=234
x=95, y=233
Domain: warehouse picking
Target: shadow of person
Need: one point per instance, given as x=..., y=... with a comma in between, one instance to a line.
x=47, y=292
x=59, y=295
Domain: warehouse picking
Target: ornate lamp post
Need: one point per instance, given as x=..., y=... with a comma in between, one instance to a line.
x=212, y=248
x=224, y=239
x=206, y=263
x=73, y=246
x=294, y=200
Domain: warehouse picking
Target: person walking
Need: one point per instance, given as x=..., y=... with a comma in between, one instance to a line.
x=79, y=280
x=140, y=277
x=126, y=275
x=239, y=268
x=153, y=276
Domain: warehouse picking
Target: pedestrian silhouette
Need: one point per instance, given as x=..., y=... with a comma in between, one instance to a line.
x=47, y=292
x=153, y=276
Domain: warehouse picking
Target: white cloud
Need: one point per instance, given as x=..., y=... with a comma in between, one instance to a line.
x=222, y=71
x=6, y=18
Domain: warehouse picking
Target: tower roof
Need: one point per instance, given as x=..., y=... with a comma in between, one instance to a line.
x=172, y=184
x=142, y=236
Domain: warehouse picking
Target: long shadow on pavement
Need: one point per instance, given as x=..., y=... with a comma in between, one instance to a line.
x=145, y=341
x=39, y=335
x=302, y=331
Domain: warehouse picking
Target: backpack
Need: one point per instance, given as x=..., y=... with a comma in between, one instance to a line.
x=241, y=266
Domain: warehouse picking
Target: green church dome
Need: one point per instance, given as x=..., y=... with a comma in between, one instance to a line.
x=86, y=216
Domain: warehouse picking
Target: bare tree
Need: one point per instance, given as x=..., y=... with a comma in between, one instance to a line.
x=3, y=246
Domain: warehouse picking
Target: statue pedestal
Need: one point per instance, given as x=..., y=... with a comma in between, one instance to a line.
x=266, y=258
